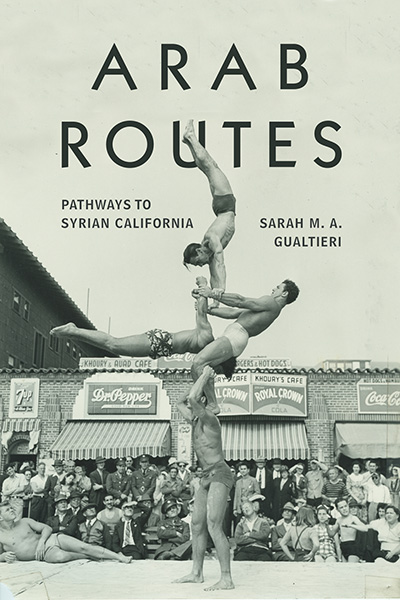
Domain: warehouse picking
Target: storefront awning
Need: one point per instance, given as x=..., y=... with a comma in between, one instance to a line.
x=88, y=439
x=368, y=440
x=271, y=440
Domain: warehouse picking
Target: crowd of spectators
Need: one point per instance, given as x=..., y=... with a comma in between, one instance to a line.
x=278, y=513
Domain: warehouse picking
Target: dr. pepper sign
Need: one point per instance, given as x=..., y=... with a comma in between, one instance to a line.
x=121, y=398
x=263, y=394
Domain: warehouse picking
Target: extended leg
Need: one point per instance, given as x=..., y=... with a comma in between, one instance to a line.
x=72, y=545
x=219, y=184
x=216, y=507
x=132, y=345
x=199, y=538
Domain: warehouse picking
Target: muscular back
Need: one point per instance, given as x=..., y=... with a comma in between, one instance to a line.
x=223, y=227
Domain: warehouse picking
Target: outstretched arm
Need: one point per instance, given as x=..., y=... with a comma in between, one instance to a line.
x=224, y=313
x=238, y=301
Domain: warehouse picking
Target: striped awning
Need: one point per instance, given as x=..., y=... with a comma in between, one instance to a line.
x=88, y=439
x=364, y=440
x=21, y=424
x=270, y=440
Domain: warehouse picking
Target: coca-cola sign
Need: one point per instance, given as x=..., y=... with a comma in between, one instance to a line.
x=378, y=398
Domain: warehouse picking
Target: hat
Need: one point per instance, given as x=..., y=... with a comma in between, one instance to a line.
x=90, y=505
x=128, y=503
x=276, y=461
x=100, y=459
x=259, y=459
x=58, y=463
x=120, y=462
x=353, y=502
x=183, y=462
x=256, y=497
x=171, y=461
x=74, y=494
x=144, y=458
x=288, y=506
x=170, y=503
x=60, y=497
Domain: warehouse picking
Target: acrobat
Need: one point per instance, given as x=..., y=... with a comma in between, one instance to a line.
x=154, y=343
x=253, y=316
x=216, y=481
x=221, y=230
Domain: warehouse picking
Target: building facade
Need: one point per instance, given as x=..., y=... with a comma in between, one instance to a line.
x=31, y=304
x=127, y=407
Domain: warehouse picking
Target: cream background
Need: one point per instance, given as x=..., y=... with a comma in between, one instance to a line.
x=52, y=53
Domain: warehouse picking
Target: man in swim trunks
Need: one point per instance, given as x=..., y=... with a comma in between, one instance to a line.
x=221, y=231
x=211, y=496
x=153, y=343
x=26, y=539
x=253, y=316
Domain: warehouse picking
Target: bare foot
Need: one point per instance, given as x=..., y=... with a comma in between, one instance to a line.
x=191, y=578
x=64, y=330
x=200, y=281
x=225, y=583
x=189, y=132
x=124, y=559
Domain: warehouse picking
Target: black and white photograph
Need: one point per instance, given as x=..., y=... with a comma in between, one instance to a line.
x=199, y=317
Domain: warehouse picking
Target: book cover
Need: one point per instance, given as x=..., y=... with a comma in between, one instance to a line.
x=296, y=102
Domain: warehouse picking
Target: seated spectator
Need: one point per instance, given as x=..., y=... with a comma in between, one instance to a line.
x=185, y=476
x=315, y=482
x=27, y=491
x=326, y=547
x=333, y=489
x=388, y=535
x=380, y=514
x=82, y=481
x=246, y=486
x=38, y=503
x=347, y=526
x=111, y=514
x=66, y=485
x=143, y=481
x=377, y=492
x=174, y=534
x=75, y=505
x=299, y=537
x=127, y=536
x=299, y=481
x=172, y=486
x=393, y=484
x=195, y=481
x=92, y=531
x=357, y=510
x=13, y=488
x=252, y=535
x=280, y=529
x=116, y=484
x=63, y=520
x=282, y=492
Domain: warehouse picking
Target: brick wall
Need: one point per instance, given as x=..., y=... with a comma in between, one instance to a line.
x=331, y=397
